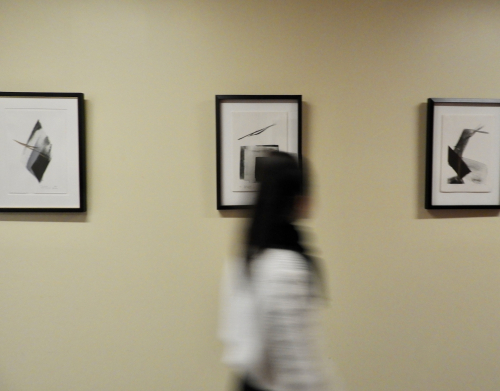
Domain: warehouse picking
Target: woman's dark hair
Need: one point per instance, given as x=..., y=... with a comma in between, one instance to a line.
x=282, y=181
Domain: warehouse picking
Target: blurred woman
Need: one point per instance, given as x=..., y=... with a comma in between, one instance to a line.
x=271, y=292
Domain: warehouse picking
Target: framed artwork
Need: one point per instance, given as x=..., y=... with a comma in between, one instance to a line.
x=42, y=152
x=248, y=127
x=463, y=154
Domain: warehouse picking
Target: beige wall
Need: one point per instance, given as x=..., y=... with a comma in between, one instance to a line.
x=125, y=297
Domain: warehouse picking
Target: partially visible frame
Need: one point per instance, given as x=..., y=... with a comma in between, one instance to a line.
x=463, y=154
x=42, y=152
x=248, y=127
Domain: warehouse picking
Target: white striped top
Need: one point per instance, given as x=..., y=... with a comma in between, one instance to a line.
x=276, y=330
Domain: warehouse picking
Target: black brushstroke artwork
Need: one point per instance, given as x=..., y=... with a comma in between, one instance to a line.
x=252, y=159
x=39, y=147
x=257, y=132
x=464, y=166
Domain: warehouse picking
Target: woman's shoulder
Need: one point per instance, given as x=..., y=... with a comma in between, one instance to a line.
x=280, y=261
x=283, y=255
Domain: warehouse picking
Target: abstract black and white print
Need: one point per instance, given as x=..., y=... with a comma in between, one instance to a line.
x=37, y=155
x=466, y=153
x=36, y=152
x=255, y=134
x=252, y=159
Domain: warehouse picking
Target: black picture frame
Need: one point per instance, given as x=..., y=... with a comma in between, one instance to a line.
x=42, y=158
x=246, y=127
x=463, y=154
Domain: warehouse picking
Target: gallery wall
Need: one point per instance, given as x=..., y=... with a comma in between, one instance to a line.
x=124, y=297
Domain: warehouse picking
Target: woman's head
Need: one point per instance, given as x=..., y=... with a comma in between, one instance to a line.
x=282, y=183
x=283, y=186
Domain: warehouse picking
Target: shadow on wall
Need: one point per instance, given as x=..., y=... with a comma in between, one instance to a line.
x=45, y=217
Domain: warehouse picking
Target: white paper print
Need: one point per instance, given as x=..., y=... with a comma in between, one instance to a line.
x=255, y=134
x=37, y=155
x=466, y=153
